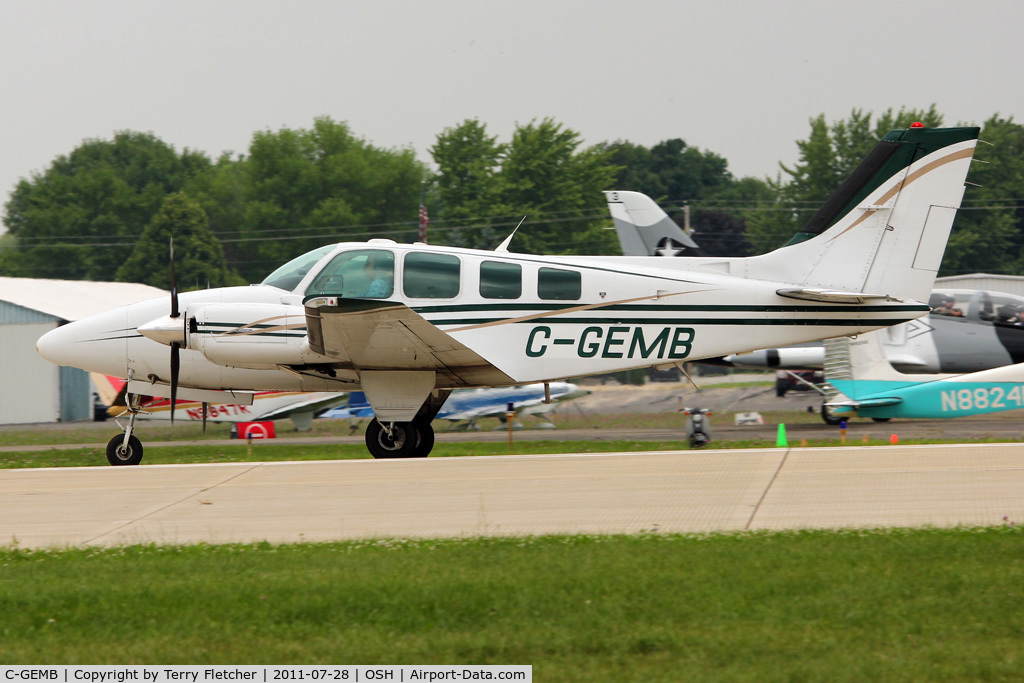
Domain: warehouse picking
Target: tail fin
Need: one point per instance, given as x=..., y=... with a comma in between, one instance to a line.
x=885, y=229
x=858, y=366
x=644, y=229
x=881, y=234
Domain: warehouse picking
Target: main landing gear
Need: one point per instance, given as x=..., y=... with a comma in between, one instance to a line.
x=126, y=449
x=406, y=439
x=400, y=439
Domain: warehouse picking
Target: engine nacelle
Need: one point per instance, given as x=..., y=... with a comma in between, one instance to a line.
x=254, y=335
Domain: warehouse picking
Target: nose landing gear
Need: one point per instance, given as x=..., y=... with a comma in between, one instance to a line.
x=126, y=449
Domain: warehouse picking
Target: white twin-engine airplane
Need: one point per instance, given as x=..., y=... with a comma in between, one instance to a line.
x=408, y=323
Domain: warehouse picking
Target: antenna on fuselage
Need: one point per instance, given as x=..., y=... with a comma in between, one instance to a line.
x=503, y=247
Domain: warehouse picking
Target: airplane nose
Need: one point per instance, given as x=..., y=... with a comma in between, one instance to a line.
x=55, y=344
x=95, y=344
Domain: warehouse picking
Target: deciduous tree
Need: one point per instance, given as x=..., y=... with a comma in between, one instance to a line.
x=80, y=217
x=198, y=256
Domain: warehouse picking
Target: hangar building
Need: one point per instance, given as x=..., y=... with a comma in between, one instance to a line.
x=1010, y=284
x=33, y=389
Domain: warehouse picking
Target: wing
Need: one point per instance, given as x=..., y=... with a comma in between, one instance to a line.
x=384, y=335
x=314, y=403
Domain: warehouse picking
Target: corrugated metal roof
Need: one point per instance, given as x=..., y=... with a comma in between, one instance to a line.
x=13, y=314
x=1008, y=284
x=73, y=299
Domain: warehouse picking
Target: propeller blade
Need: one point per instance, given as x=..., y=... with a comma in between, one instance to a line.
x=205, y=406
x=175, y=368
x=174, y=286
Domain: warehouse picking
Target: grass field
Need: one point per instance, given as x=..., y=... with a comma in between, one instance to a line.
x=924, y=605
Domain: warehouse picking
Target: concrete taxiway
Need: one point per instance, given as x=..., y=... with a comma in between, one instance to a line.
x=679, y=491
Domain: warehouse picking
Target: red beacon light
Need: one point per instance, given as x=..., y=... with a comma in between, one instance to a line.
x=917, y=124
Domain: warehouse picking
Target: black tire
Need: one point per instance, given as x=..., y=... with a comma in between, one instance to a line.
x=400, y=443
x=829, y=417
x=117, y=454
x=881, y=419
x=424, y=439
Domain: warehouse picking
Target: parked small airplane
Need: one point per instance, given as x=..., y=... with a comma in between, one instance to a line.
x=471, y=404
x=299, y=407
x=409, y=323
x=965, y=332
x=871, y=387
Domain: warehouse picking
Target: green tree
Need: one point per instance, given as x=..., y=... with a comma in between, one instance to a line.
x=304, y=188
x=466, y=191
x=988, y=233
x=720, y=220
x=198, y=256
x=558, y=189
x=79, y=218
x=484, y=188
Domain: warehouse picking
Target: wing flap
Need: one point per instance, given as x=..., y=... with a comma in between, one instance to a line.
x=385, y=335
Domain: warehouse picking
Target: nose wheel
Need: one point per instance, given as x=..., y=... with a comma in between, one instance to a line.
x=122, y=451
x=126, y=449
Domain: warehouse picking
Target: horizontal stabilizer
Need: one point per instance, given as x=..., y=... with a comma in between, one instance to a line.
x=867, y=402
x=833, y=296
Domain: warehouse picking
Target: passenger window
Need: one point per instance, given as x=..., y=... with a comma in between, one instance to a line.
x=359, y=274
x=431, y=276
x=562, y=285
x=501, y=280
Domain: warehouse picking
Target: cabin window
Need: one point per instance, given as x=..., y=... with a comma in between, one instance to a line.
x=563, y=285
x=357, y=274
x=1001, y=308
x=501, y=280
x=953, y=304
x=431, y=276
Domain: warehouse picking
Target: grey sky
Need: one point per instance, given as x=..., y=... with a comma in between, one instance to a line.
x=740, y=79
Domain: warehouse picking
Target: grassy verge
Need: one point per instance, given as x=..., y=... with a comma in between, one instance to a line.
x=935, y=605
x=273, y=451
x=154, y=431
x=239, y=451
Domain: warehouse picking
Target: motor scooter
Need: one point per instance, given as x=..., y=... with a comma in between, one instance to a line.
x=698, y=429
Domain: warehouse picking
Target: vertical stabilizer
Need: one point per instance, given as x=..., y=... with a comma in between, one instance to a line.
x=644, y=229
x=858, y=367
x=883, y=232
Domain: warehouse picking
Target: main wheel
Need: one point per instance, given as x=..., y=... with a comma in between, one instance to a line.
x=399, y=444
x=829, y=417
x=424, y=439
x=119, y=454
x=881, y=419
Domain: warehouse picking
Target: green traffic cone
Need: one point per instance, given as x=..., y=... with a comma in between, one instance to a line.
x=780, y=440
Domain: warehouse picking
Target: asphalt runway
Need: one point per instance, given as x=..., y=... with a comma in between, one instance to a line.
x=675, y=491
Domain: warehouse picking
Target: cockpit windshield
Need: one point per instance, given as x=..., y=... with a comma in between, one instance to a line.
x=288, y=276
